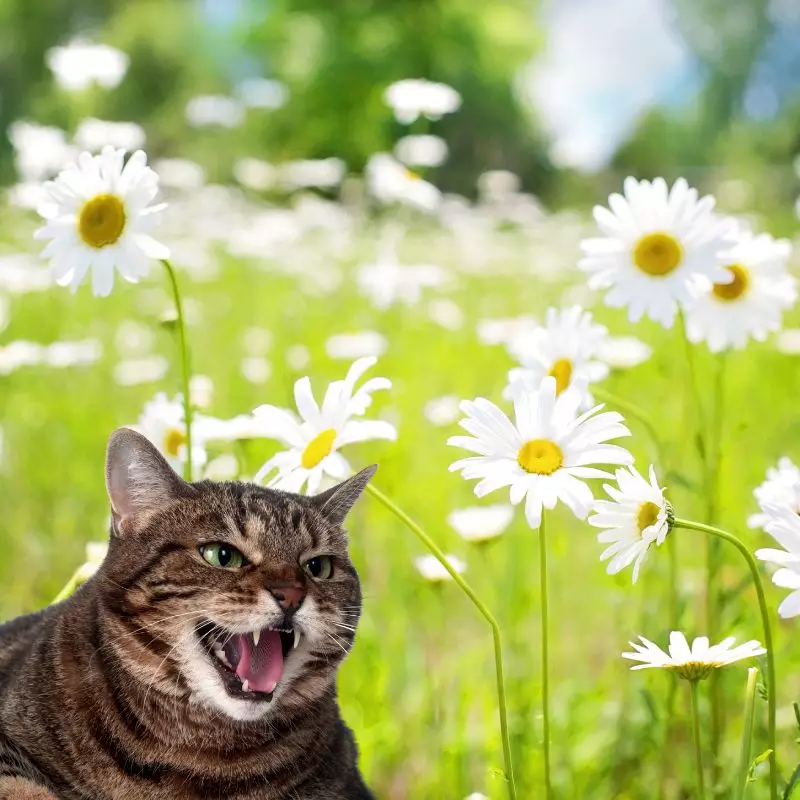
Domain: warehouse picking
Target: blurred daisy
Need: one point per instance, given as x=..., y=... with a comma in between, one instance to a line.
x=658, y=247
x=95, y=555
x=163, y=424
x=783, y=524
x=545, y=456
x=781, y=488
x=564, y=348
x=421, y=151
x=638, y=517
x=413, y=98
x=432, y=569
x=480, y=523
x=692, y=663
x=752, y=302
x=623, y=352
x=443, y=410
x=80, y=64
x=391, y=182
x=314, y=440
x=98, y=219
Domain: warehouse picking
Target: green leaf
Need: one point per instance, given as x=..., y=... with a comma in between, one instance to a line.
x=793, y=781
x=760, y=759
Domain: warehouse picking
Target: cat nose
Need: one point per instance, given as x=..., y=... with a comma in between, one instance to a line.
x=289, y=598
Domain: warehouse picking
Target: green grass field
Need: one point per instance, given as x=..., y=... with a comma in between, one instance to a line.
x=419, y=687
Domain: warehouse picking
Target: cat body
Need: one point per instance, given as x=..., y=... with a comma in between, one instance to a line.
x=167, y=677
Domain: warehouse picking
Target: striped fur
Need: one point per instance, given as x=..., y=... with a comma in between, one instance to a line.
x=106, y=696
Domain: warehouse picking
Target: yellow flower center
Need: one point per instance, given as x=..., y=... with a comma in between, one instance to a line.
x=318, y=448
x=174, y=439
x=648, y=514
x=413, y=176
x=694, y=670
x=562, y=372
x=540, y=457
x=736, y=288
x=102, y=220
x=657, y=254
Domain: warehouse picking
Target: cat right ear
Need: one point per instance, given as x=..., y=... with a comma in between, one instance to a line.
x=138, y=478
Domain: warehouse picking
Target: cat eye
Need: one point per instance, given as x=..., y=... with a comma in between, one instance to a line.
x=320, y=567
x=222, y=555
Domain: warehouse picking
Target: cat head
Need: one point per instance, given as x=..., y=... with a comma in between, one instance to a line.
x=231, y=595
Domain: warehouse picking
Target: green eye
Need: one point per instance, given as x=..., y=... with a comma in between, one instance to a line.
x=320, y=567
x=222, y=555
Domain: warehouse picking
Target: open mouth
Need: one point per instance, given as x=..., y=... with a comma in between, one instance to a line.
x=251, y=665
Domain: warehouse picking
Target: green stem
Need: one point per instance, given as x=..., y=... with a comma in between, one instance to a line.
x=72, y=584
x=485, y=613
x=639, y=414
x=772, y=685
x=187, y=401
x=545, y=657
x=747, y=733
x=698, y=755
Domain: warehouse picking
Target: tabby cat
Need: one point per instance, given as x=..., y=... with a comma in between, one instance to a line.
x=200, y=661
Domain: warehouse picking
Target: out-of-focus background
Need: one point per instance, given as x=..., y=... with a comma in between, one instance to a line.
x=299, y=251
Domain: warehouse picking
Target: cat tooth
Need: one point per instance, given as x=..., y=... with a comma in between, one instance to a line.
x=296, y=639
x=271, y=687
x=245, y=686
x=256, y=637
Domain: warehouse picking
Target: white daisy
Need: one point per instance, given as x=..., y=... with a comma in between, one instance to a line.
x=316, y=437
x=162, y=422
x=95, y=555
x=432, y=569
x=781, y=488
x=658, y=246
x=752, y=303
x=545, y=456
x=783, y=524
x=412, y=98
x=624, y=352
x=389, y=181
x=480, y=523
x=98, y=218
x=564, y=347
x=638, y=517
x=692, y=663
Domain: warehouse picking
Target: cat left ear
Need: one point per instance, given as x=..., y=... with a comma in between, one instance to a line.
x=138, y=478
x=337, y=502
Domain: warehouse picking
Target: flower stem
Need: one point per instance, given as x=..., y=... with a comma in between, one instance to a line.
x=698, y=755
x=747, y=733
x=485, y=613
x=185, y=376
x=772, y=685
x=72, y=584
x=545, y=657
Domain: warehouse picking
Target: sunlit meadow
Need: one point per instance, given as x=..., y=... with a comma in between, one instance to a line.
x=441, y=290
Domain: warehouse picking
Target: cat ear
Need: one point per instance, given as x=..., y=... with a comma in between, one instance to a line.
x=337, y=502
x=138, y=478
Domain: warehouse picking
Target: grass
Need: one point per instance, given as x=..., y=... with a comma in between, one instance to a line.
x=419, y=687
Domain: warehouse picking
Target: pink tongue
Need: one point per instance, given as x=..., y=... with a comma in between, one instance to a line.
x=260, y=665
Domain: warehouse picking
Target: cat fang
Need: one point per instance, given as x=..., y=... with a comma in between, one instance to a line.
x=250, y=665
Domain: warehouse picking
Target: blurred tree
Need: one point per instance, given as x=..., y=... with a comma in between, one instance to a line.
x=338, y=58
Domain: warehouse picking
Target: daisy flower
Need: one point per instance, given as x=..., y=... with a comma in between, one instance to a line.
x=314, y=440
x=751, y=303
x=432, y=569
x=98, y=219
x=638, y=517
x=564, y=348
x=783, y=525
x=781, y=488
x=480, y=523
x=389, y=181
x=412, y=98
x=658, y=246
x=692, y=663
x=162, y=422
x=545, y=455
